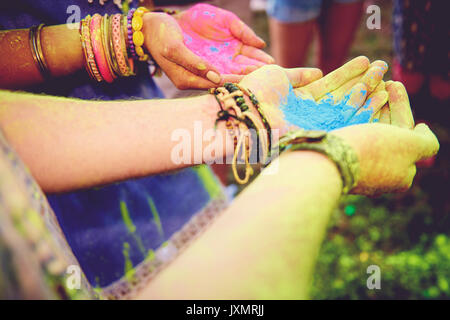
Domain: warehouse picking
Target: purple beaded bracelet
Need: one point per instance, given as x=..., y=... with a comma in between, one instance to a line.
x=130, y=35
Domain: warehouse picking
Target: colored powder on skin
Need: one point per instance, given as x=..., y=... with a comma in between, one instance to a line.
x=324, y=115
x=216, y=52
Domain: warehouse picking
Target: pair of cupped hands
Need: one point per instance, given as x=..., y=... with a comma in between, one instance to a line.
x=387, y=148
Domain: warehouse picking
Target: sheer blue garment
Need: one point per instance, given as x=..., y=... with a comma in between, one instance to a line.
x=114, y=228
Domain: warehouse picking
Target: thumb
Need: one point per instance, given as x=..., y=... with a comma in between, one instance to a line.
x=426, y=143
x=300, y=77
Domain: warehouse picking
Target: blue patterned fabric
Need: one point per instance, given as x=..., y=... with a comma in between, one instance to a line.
x=113, y=228
x=421, y=30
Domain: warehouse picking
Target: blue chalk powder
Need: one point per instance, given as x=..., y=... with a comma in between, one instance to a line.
x=324, y=115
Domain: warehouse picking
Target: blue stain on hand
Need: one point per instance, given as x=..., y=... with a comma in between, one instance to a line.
x=213, y=49
x=188, y=38
x=324, y=115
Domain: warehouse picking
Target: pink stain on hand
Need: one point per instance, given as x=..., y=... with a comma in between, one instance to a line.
x=206, y=31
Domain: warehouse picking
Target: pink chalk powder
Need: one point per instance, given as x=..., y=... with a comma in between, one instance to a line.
x=206, y=31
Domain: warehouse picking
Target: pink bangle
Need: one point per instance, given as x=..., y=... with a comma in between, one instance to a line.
x=117, y=44
x=97, y=47
x=91, y=66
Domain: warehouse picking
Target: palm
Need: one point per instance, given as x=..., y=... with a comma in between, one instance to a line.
x=219, y=37
x=271, y=84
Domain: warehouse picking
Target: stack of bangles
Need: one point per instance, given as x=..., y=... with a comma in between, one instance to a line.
x=240, y=121
x=112, y=44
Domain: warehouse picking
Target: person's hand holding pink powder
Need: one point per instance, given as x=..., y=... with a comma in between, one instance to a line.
x=164, y=41
x=222, y=39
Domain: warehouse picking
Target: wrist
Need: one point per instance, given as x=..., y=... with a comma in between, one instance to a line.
x=147, y=29
x=325, y=169
x=332, y=146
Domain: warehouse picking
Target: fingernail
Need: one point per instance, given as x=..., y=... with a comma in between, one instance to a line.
x=213, y=77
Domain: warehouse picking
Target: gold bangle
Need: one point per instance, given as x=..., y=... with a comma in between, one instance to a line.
x=129, y=61
x=36, y=51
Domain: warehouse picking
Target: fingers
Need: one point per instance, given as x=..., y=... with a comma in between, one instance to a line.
x=184, y=79
x=401, y=114
x=427, y=145
x=373, y=77
x=234, y=78
x=375, y=102
x=244, y=65
x=409, y=178
x=178, y=53
x=357, y=95
x=380, y=87
x=257, y=54
x=338, y=77
x=338, y=94
x=302, y=76
x=384, y=115
x=244, y=33
x=388, y=83
x=380, y=63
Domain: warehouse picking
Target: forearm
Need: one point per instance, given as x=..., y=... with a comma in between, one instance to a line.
x=264, y=246
x=69, y=144
x=61, y=48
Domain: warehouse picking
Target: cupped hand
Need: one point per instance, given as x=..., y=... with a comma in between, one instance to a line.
x=222, y=39
x=164, y=41
x=271, y=84
x=388, y=150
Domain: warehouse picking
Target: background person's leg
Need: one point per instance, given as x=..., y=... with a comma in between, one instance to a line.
x=292, y=26
x=290, y=42
x=338, y=25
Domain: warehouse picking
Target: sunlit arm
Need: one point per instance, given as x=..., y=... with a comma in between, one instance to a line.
x=264, y=246
x=69, y=144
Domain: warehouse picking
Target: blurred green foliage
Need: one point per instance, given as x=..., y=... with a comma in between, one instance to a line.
x=365, y=232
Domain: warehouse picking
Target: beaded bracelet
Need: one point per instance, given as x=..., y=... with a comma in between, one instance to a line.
x=239, y=92
x=237, y=116
x=125, y=45
x=131, y=47
x=255, y=103
x=138, y=37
